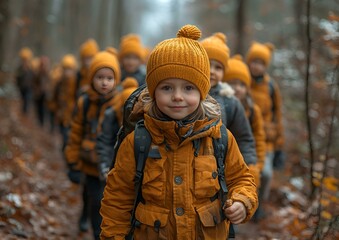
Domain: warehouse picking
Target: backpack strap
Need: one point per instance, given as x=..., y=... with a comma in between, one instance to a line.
x=220, y=147
x=272, y=95
x=142, y=143
x=85, y=107
x=251, y=116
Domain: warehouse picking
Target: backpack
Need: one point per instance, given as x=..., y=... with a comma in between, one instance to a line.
x=142, y=143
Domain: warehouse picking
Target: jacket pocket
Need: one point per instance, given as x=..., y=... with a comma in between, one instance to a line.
x=210, y=224
x=270, y=131
x=205, y=176
x=153, y=221
x=87, y=151
x=153, y=183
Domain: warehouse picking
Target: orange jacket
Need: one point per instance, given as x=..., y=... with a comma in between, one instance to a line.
x=177, y=188
x=80, y=149
x=257, y=125
x=65, y=99
x=272, y=119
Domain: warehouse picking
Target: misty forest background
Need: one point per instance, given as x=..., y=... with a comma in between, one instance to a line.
x=305, y=194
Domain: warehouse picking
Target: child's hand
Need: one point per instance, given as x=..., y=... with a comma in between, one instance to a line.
x=236, y=213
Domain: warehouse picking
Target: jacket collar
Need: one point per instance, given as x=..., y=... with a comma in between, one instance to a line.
x=172, y=134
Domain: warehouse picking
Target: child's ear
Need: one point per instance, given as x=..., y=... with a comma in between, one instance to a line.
x=270, y=46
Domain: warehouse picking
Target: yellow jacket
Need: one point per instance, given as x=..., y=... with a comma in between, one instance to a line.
x=80, y=149
x=177, y=188
x=272, y=119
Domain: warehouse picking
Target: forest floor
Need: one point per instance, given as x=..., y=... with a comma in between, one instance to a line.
x=37, y=201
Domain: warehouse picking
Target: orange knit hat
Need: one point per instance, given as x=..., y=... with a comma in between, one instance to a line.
x=89, y=48
x=130, y=84
x=69, y=61
x=237, y=69
x=217, y=48
x=26, y=53
x=112, y=50
x=105, y=59
x=182, y=57
x=260, y=51
x=131, y=44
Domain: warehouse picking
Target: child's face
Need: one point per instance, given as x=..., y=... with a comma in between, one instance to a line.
x=69, y=72
x=177, y=98
x=86, y=62
x=103, y=81
x=131, y=63
x=257, y=67
x=217, y=72
x=239, y=88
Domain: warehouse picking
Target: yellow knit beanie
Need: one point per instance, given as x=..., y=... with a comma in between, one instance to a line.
x=217, y=48
x=26, y=53
x=237, y=69
x=105, y=59
x=68, y=61
x=131, y=44
x=89, y=48
x=182, y=57
x=129, y=85
x=260, y=51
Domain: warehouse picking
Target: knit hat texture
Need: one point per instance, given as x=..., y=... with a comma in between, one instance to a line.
x=217, y=48
x=237, y=69
x=89, y=48
x=69, y=61
x=182, y=57
x=129, y=85
x=260, y=51
x=105, y=59
x=131, y=44
x=26, y=53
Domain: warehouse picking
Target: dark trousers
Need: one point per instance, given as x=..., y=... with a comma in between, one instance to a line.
x=40, y=109
x=95, y=190
x=64, y=133
x=26, y=96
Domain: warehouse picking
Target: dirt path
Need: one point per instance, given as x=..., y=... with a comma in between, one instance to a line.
x=37, y=201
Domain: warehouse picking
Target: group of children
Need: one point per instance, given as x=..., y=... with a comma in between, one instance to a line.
x=193, y=88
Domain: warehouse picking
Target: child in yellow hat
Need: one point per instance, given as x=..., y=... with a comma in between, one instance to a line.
x=180, y=177
x=24, y=78
x=232, y=111
x=266, y=95
x=132, y=56
x=87, y=51
x=239, y=78
x=80, y=153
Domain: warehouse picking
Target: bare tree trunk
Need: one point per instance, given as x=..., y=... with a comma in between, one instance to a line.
x=307, y=98
x=4, y=12
x=239, y=26
x=118, y=23
x=299, y=12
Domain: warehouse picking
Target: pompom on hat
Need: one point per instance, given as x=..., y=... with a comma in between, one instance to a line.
x=26, y=53
x=69, y=61
x=237, y=69
x=260, y=51
x=182, y=57
x=216, y=48
x=131, y=44
x=105, y=59
x=89, y=48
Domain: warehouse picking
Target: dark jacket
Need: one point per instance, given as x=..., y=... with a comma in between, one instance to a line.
x=139, y=75
x=106, y=139
x=234, y=117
